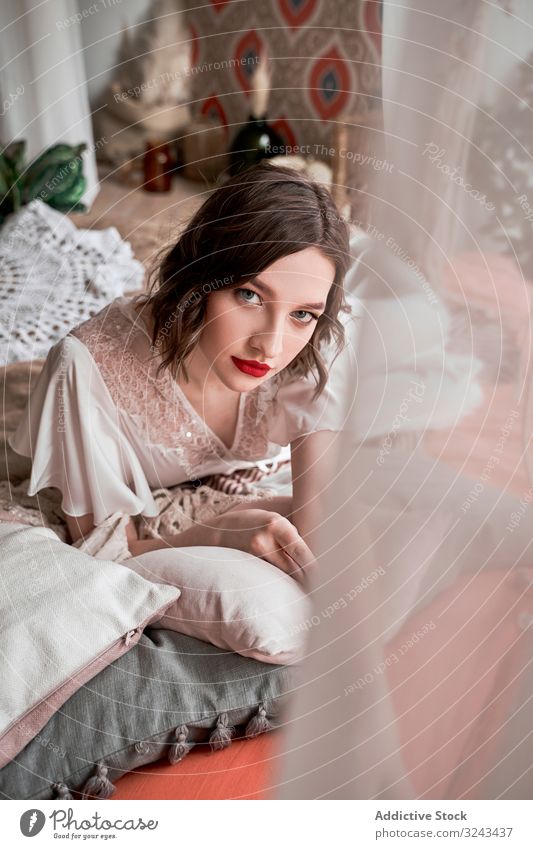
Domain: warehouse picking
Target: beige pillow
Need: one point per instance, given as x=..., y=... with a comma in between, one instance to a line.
x=232, y=599
x=64, y=616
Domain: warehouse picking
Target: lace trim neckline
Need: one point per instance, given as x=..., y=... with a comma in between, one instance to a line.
x=126, y=306
x=209, y=432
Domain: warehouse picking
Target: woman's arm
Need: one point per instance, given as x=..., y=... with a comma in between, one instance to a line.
x=80, y=526
x=261, y=532
x=313, y=460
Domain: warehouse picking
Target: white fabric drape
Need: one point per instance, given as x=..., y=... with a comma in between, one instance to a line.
x=43, y=88
x=418, y=681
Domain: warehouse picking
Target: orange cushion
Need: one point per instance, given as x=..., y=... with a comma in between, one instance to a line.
x=245, y=770
x=452, y=690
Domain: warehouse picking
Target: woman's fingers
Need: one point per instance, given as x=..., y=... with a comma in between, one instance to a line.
x=284, y=562
x=282, y=545
x=267, y=534
x=288, y=538
x=264, y=545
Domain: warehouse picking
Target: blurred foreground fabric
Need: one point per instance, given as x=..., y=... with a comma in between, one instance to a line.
x=418, y=680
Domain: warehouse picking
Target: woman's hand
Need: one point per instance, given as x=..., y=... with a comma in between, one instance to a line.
x=266, y=534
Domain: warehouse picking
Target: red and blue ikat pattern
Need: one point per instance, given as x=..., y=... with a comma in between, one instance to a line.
x=324, y=64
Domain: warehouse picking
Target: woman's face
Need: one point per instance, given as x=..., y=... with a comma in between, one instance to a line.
x=265, y=322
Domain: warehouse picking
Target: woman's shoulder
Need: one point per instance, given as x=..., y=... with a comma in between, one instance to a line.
x=67, y=355
x=119, y=345
x=110, y=346
x=116, y=338
x=299, y=409
x=112, y=324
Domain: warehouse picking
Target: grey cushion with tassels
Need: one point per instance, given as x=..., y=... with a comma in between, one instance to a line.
x=167, y=694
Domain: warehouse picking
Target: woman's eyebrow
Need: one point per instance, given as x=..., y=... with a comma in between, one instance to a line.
x=264, y=288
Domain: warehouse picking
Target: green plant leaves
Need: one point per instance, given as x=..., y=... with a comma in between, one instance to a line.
x=55, y=177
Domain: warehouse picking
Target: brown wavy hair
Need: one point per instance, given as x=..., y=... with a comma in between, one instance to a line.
x=245, y=225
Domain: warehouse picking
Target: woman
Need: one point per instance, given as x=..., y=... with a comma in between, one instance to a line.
x=221, y=363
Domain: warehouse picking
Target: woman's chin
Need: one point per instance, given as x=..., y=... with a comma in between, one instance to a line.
x=246, y=384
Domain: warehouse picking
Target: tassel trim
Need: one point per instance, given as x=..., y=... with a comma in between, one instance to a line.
x=221, y=736
x=178, y=750
x=61, y=791
x=99, y=785
x=258, y=724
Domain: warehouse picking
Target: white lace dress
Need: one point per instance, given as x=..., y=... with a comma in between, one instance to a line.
x=105, y=431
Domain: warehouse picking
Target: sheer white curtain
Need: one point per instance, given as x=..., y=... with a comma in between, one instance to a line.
x=418, y=681
x=42, y=80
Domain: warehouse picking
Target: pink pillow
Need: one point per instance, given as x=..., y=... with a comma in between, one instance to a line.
x=232, y=600
x=64, y=617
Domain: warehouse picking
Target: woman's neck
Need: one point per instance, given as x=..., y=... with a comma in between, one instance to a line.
x=201, y=377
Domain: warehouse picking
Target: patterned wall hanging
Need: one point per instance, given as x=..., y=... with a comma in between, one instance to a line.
x=325, y=56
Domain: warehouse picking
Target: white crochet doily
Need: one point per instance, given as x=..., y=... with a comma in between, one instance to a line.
x=54, y=276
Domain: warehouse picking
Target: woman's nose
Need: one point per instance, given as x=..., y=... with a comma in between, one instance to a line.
x=269, y=341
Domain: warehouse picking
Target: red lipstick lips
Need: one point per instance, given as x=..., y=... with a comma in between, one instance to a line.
x=251, y=367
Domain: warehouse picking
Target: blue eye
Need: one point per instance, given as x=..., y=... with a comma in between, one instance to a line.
x=243, y=295
x=301, y=316
x=247, y=296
